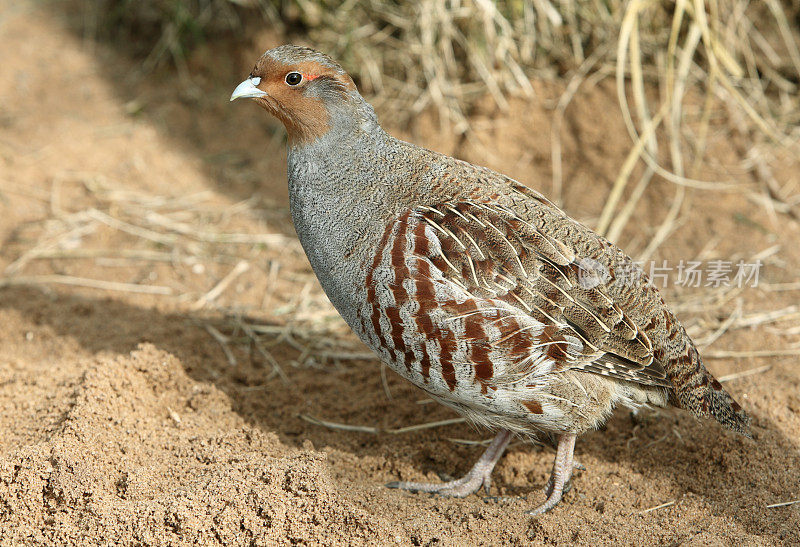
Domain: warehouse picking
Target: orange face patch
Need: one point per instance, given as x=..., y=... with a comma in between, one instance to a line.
x=305, y=118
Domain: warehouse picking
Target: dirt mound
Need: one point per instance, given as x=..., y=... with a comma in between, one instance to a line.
x=143, y=453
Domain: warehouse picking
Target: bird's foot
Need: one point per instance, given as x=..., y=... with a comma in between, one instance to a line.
x=459, y=488
x=548, y=490
x=479, y=476
x=559, y=484
x=568, y=486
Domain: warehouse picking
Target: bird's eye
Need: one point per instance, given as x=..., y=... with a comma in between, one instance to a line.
x=294, y=78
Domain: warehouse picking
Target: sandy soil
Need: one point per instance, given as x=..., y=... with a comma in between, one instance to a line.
x=123, y=419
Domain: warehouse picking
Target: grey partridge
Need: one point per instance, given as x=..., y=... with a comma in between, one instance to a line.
x=471, y=285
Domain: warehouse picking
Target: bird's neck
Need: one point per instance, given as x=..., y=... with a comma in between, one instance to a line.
x=339, y=199
x=344, y=163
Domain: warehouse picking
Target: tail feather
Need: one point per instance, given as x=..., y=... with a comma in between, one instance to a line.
x=702, y=394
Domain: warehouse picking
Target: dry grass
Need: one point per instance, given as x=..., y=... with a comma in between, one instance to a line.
x=195, y=238
x=195, y=232
x=740, y=58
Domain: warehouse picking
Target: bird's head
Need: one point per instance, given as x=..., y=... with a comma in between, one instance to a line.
x=305, y=89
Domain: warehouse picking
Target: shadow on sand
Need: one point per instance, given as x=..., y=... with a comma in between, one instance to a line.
x=710, y=463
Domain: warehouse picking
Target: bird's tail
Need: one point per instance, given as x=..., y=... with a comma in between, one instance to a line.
x=698, y=391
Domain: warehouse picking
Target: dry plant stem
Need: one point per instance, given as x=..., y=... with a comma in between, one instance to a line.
x=667, y=226
x=622, y=218
x=338, y=426
x=782, y=504
x=675, y=100
x=625, y=172
x=131, y=229
x=785, y=314
x=220, y=287
x=479, y=476
x=722, y=354
x=126, y=254
x=558, y=120
x=744, y=373
x=85, y=282
x=670, y=89
x=637, y=86
x=705, y=120
x=346, y=355
x=445, y=56
x=223, y=342
x=385, y=382
x=215, y=237
x=377, y=430
x=778, y=287
x=674, y=91
x=276, y=367
x=719, y=60
x=429, y=425
x=657, y=507
x=470, y=442
x=48, y=245
x=786, y=33
x=722, y=329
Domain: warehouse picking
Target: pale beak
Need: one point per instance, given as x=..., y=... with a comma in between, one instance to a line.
x=248, y=89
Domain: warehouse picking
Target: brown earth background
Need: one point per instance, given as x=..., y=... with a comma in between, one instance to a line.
x=173, y=401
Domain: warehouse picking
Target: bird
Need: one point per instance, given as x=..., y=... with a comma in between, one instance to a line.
x=471, y=285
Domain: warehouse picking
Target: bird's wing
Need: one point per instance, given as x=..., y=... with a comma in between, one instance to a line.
x=492, y=288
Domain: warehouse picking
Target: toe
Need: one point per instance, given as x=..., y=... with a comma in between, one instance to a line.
x=541, y=510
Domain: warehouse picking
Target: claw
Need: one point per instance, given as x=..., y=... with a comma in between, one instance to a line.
x=479, y=476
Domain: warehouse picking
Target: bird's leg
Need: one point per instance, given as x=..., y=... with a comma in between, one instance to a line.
x=562, y=471
x=568, y=486
x=479, y=475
